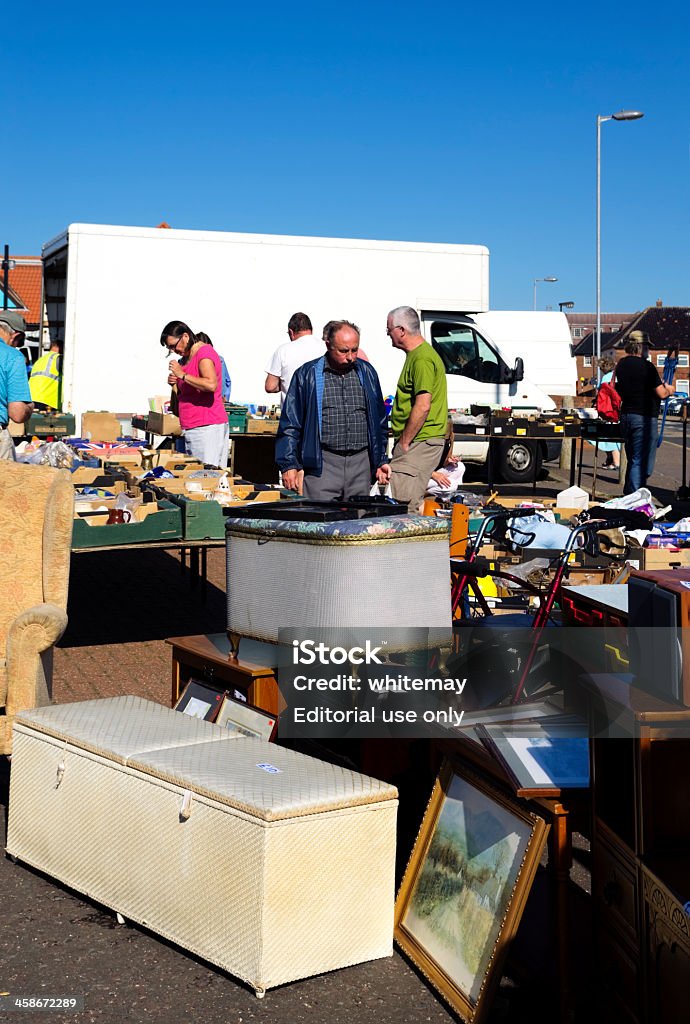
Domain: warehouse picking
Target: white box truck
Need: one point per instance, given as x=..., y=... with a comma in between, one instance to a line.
x=109, y=290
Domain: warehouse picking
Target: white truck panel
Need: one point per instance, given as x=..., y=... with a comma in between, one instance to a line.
x=124, y=284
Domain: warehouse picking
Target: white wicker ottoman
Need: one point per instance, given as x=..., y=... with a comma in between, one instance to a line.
x=390, y=573
x=270, y=864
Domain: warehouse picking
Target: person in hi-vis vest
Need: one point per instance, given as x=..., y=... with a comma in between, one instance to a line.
x=46, y=378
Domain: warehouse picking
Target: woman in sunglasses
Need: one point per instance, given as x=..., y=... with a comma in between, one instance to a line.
x=197, y=376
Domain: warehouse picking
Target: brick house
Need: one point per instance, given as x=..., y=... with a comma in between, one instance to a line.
x=25, y=294
x=663, y=325
x=582, y=323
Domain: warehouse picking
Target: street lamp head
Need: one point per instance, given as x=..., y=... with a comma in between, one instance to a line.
x=627, y=115
x=551, y=279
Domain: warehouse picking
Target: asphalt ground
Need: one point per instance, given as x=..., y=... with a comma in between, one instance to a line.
x=54, y=942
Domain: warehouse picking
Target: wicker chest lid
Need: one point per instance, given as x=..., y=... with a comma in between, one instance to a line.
x=118, y=727
x=346, y=531
x=264, y=780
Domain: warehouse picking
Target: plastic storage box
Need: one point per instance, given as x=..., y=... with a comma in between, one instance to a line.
x=237, y=418
x=270, y=864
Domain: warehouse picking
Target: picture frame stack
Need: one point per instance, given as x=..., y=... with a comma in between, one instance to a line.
x=229, y=711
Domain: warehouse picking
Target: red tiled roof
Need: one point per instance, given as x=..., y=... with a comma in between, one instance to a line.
x=25, y=281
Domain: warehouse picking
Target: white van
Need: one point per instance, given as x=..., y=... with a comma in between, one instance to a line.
x=485, y=371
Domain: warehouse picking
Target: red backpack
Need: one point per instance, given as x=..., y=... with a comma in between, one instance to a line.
x=608, y=403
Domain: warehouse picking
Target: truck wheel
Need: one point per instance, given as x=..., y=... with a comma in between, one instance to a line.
x=516, y=461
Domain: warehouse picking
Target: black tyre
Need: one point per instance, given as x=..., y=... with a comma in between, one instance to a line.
x=516, y=461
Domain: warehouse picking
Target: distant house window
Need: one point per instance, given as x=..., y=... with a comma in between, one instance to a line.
x=587, y=360
x=578, y=332
x=683, y=359
x=682, y=387
x=660, y=360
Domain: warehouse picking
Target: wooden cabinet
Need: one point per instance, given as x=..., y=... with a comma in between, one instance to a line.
x=667, y=930
x=640, y=852
x=207, y=658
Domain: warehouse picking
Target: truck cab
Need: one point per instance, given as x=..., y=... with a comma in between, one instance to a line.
x=479, y=373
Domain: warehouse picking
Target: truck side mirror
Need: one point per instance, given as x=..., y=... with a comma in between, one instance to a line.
x=519, y=370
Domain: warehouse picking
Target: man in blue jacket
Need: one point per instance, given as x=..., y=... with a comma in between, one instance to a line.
x=333, y=424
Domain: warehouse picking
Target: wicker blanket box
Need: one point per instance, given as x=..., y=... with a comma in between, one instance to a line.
x=270, y=864
x=391, y=573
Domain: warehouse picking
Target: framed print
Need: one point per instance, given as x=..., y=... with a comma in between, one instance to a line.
x=240, y=716
x=466, y=885
x=199, y=701
x=540, y=758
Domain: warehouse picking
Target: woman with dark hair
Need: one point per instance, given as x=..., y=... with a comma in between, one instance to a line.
x=198, y=378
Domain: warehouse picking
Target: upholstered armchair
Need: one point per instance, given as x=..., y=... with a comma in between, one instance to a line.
x=36, y=513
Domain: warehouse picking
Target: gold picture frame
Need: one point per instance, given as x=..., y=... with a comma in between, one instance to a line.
x=466, y=885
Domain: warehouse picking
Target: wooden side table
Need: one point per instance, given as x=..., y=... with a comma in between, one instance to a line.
x=207, y=657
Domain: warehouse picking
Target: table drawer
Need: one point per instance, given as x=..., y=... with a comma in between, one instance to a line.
x=615, y=889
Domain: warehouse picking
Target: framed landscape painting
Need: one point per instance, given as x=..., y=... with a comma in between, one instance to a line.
x=466, y=885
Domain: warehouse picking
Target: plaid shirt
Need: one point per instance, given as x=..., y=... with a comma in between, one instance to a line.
x=344, y=416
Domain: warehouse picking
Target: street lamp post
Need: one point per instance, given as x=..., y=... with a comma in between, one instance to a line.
x=6, y=265
x=536, y=280
x=622, y=115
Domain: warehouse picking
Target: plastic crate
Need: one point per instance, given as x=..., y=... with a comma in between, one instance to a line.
x=237, y=419
x=42, y=424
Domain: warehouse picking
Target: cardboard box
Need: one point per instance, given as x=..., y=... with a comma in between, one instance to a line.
x=176, y=461
x=581, y=577
x=158, y=403
x=658, y=558
x=85, y=475
x=108, y=483
x=100, y=426
x=163, y=423
x=262, y=426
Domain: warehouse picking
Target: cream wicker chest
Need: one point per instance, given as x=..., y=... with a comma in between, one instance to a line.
x=390, y=573
x=270, y=864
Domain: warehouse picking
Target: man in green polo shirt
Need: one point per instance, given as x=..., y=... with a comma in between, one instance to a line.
x=420, y=410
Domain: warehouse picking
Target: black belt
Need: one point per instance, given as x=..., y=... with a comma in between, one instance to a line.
x=344, y=451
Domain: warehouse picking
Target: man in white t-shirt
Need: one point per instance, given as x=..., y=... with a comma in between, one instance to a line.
x=301, y=348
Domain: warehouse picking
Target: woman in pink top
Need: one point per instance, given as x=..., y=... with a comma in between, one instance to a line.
x=197, y=376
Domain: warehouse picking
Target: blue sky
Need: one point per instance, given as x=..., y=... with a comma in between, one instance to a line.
x=427, y=122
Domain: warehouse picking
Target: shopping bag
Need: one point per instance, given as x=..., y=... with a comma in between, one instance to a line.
x=608, y=403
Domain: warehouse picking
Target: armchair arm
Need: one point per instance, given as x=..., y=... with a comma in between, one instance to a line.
x=30, y=634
